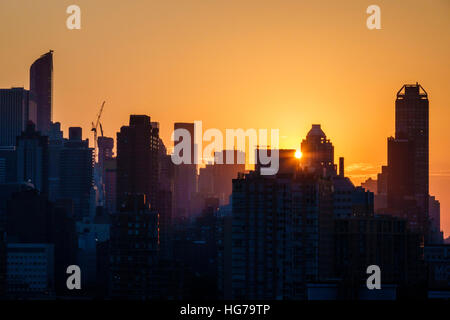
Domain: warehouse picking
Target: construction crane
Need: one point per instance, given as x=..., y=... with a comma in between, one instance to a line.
x=95, y=127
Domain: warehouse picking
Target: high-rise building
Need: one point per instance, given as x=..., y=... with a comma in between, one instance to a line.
x=185, y=176
x=13, y=114
x=8, y=164
x=436, y=235
x=110, y=183
x=382, y=186
x=164, y=202
x=55, y=145
x=370, y=185
x=137, y=159
x=412, y=124
x=105, y=149
x=41, y=91
x=105, y=152
x=366, y=239
x=32, y=158
x=437, y=258
x=215, y=180
x=30, y=270
x=408, y=158
x=281, y=234
x=134, y=250
x=76, y=173
x=318, y=152
x=32, y=219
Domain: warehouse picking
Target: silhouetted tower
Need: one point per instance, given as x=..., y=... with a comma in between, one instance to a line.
x=185, y=176
x=134, y=250
x=76, y=172
x=41, y=90
x=32, y=158
x=137, y=159
x=318, y=152
x=412, y=123
x=408, y=157
x=341, y=167
x=13, y=114
x=105, y=149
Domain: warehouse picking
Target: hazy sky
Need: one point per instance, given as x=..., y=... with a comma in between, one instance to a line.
x=243, y=64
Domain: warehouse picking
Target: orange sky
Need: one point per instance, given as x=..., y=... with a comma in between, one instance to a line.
x=244, y=64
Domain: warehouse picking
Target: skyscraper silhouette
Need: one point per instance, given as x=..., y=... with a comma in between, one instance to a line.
x=318, y=152
x=137, y=156
x=13, y=114
x=41, y=90
x=76, y=180
x=412, y=123
x=408, y=158
x=185, y=177
x=32, y=158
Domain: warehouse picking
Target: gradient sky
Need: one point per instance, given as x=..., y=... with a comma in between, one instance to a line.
x=244, y=64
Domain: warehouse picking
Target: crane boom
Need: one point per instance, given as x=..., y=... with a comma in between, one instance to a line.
x=95, y=127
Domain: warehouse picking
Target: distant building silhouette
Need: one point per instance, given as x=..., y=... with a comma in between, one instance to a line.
x=105, y=149
x=381, y=201
x=137, y=159
x=8, y=164
x=318, y=152
x=55, y=145
x=76, y=176
x=365, y=239
x=412, y=123
x=288, y=163
x=215, y=180
x=13, y=114
x=32, y=219
x=32, y=158
x=185, y=177
x=134, y=250
x=165, y=201
x=110, y=183
x=41, y=91
x=30, y=270
x=370, y=185
x=281, y=234
x=408, y=158
x=437, y=257
x=105, y=152
x=434, y=208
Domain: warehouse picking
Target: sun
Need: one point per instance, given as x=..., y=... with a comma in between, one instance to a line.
x=298, y=154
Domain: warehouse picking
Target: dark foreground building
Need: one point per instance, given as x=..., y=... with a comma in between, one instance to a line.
x=281, y=234
x=134, y=250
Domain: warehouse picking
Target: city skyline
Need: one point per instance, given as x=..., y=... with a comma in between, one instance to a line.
x=225, y=150
x=184, y=62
